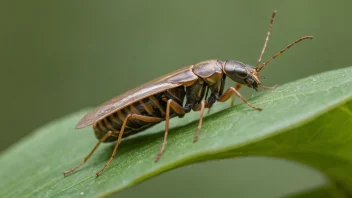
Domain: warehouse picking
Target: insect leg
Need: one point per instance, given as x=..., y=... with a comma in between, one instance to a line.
x=179, y=110
x=202, y=105
x=238, y=86
x=108, y=134
x=224, y=97
x=130, y=116
x=206, y=97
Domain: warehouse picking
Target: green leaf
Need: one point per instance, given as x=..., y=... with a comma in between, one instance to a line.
x=323, y=192
x=308, y=121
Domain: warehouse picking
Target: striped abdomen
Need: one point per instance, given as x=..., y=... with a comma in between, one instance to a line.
x=153, y=106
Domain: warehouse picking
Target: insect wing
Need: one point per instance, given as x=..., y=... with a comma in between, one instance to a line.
x=177, y=78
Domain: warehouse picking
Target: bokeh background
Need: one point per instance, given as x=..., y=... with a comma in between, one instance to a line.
x=57, y=57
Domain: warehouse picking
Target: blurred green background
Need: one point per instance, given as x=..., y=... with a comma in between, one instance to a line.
x=57, y=57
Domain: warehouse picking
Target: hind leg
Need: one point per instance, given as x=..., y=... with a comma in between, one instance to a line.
x=130, y=116
x=108, y=134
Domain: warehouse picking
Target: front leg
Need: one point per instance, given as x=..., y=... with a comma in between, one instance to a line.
x=224, y=97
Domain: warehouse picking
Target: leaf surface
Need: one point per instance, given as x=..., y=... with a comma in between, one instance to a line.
x=308, y=121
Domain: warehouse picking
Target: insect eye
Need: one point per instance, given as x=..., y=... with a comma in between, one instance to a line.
x=241, y=72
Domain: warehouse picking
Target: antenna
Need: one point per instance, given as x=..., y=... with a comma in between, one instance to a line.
x=280, y=52
x=267, y=38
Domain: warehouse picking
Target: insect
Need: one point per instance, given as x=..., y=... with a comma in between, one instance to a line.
x=194, y=87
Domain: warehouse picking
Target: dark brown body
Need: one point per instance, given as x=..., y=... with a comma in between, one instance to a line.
x=153, y=106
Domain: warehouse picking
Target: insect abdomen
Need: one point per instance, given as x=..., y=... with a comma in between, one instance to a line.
x=153, y=106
